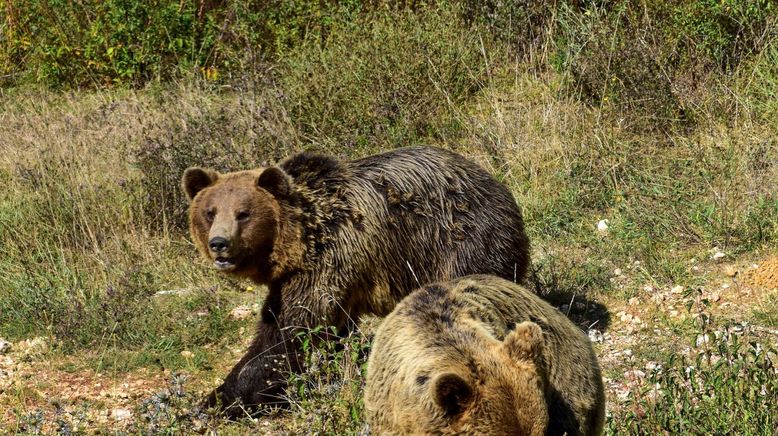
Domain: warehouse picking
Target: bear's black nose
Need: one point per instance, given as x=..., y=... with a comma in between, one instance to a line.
x=218, y=244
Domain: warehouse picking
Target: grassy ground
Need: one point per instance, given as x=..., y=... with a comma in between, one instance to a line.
x=118, y=326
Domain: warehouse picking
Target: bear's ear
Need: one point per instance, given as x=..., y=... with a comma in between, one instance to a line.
x=452, y=393
x=196, y=179
x=525, y=342
x=274, y=181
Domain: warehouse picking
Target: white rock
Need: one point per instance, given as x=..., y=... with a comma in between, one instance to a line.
x=677, y=289
x=5, y=346
x=186, y=354
x=718, y=255
x=119, y=414
x=34, y=347
x=240, y=312
x=617, y=271
x=602, y=226
x=595, y=335
x=635, y=374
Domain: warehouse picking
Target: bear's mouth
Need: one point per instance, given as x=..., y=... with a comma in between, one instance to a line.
x=224, y=263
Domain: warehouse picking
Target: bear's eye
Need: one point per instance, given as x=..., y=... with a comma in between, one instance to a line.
x=209, y=214
x=242, y=216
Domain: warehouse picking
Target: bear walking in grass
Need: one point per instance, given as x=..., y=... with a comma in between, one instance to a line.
x=334, y=240
x=481, y=355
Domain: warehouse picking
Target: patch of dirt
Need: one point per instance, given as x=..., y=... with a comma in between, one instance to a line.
x=38, y=386
x=765, y=275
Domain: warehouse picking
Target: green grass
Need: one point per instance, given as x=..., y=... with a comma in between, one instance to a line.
x=671, y=140
x=729, y=387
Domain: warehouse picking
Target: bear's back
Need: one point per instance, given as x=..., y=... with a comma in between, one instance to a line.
x=448, y=216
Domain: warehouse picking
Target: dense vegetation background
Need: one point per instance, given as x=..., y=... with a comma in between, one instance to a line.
x=660, y=116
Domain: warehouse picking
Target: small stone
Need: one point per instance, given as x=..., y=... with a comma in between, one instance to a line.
x=634, y=301
x=718, y=255
x=627, y=352
x=648, y=288
x=617, y=271
x=186, y=354
x=595, y=335
x=634, y=374
x=677, y=289
x=5, y=346
x=34, y=347
x=119, y=414
x=240, y=312
x=715, y=297
x=602, y=226
x=702, y=340
x=725, y=286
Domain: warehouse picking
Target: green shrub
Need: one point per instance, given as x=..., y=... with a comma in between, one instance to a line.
x=653, y=65
x=96, y=43
x=384, y=79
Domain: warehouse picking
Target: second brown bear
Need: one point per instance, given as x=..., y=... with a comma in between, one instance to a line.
x=334, y=240
x=481, y=355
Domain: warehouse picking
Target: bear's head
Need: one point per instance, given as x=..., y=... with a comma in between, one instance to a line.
x=501, y=391
x=234, y=218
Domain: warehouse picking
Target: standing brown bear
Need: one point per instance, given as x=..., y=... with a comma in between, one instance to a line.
x=481, y=355
x=334, y=240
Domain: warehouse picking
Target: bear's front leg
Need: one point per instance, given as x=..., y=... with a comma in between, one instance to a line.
x=259, y=378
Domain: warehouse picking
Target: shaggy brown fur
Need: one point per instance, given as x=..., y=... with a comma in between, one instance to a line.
x=451, y=359
x=334, y=240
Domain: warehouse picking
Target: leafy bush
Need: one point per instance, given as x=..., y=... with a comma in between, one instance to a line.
x=383, y=79
x=654, y=65
x=103, y=42
x=328, y=395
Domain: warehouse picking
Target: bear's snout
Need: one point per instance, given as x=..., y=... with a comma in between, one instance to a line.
x=218, y=244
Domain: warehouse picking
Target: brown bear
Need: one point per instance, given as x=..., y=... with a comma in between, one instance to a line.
x=482, y=355
x=335, y=239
